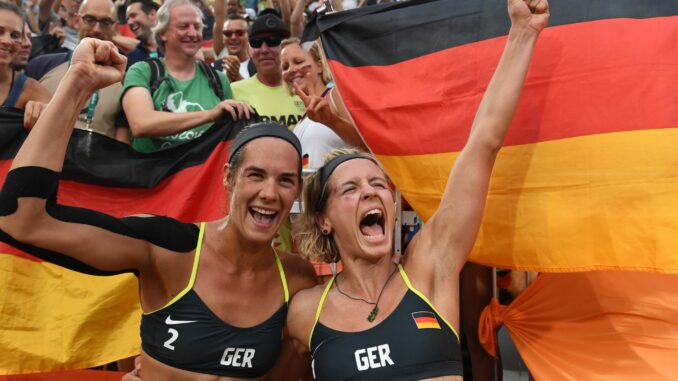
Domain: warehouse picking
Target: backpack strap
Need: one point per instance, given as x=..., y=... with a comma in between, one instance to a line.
x=157, y=73
x=213, y=79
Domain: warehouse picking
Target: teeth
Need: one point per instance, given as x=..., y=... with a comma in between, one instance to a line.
x=373, y=211
x=264, y=211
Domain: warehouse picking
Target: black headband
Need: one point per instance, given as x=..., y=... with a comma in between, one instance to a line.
x=326, y=171
x=260, y=130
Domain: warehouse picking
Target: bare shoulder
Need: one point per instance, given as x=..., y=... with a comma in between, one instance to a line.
x=299, y=272
x=301, y=313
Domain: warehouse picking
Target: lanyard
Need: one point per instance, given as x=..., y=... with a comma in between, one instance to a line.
x=90, y=109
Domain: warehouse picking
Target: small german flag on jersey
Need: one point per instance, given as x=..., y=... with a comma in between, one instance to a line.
x=425, y=319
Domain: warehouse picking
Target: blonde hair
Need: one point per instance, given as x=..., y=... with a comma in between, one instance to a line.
x=314, y=244
x=316, y=55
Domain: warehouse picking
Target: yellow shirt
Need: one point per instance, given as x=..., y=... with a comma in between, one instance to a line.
x=274, y=104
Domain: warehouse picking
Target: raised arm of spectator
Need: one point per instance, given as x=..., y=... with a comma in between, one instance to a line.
x=30, y=187
x=45, y=9
x=219, y=20
x=448, y=237
x=297, y=19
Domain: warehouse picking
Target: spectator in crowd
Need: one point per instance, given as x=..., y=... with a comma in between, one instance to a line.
x=97, y=19
x=21, y=60
x=17, y=90
x=62, y=24
x=305, y=72
x=142, y=15
x=234, y=59
x=266, y=91
x=187, y=102
x=233, y=7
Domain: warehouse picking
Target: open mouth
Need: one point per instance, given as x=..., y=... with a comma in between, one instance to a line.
x=372, y=224
x=262, y=216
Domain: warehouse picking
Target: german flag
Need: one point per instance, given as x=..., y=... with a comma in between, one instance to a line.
x=425, y=320
x=587, y=176
x=52, y=318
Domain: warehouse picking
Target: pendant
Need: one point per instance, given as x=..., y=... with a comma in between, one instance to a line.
x=373, y=314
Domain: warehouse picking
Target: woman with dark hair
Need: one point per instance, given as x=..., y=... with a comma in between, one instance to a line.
x=388, y=318
x=214, y=294
x=16, y=89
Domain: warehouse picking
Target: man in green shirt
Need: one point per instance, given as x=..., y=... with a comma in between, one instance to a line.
x=184, y=105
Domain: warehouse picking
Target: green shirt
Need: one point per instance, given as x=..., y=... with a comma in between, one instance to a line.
x=173, y=95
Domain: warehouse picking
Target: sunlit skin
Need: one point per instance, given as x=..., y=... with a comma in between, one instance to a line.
x=237, y=46
x=296, y=64
x=11, y=33
x=356, y=187
x=184, y=33
x=101, y=9
x=266, y=179
x=139, y=22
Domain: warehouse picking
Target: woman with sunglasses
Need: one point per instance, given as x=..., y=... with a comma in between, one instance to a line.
x=16, y=89
x=381, y=318
x=214, y=294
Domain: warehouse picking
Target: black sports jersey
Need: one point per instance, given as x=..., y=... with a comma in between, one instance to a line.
x=412, y=343
x=186, y=334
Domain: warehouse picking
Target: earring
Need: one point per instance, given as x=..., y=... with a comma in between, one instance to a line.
x=325, y=231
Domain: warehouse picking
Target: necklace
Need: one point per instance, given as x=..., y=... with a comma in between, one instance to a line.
x=375, y=310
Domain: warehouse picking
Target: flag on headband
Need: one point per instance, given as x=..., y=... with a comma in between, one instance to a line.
x=587, y=176
x=52, y=318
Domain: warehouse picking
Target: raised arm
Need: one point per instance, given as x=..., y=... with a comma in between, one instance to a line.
x=448, y=237
x=27, y=202
x=219, y=20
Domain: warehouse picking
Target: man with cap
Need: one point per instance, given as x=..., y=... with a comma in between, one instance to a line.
x=266, y=91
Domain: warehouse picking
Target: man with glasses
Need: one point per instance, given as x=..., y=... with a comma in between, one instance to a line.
x=266, y=91
x=234, y=59
x=96, y=19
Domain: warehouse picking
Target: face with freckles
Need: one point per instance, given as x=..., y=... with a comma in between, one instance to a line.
x=360, y=212
x=263, y=187
x=296, y=63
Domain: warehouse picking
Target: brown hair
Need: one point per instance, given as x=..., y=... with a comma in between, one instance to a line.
x=314, y=244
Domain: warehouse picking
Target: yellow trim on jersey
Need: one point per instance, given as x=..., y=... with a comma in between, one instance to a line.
x=320, y=308
x=283, y=278
x=194, y=272
x=424, y=298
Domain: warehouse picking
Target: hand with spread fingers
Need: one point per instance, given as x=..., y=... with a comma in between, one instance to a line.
x=237, y=110
x=317, y=108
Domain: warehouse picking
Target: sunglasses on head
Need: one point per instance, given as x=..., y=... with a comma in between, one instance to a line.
x=237, y=32
x=271, y=41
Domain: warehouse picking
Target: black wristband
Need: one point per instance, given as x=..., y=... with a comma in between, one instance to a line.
x=37, y=182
